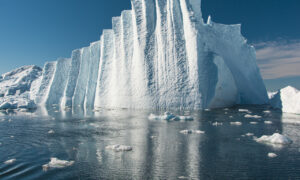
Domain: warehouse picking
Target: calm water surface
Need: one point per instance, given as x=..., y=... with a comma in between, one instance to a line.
x=160, y=151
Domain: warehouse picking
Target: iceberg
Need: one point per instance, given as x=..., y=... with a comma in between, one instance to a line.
x=286, y=99
x=158, y=55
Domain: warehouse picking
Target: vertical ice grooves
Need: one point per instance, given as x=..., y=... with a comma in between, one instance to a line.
x=73, y=75
x=80, y=90
x=93, y=75
x=47, y=80
x=59, y=82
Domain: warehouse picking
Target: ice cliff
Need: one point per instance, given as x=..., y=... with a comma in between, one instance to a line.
x=160, y=54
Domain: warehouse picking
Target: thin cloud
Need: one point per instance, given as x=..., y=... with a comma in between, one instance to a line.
x=278, y=59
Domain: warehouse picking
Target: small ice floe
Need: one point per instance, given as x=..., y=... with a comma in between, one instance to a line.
x=252, y=116
x=244, y=110
x=230, y=117
x=56, y=163
x=182, y=177
x=217, y=124
x=249, y=134
x=12, y=136
x=9, y=120
x=118, y=148
x=253, y=123
x=272, y=155
x=51, y=132
x=276, y=138
x=192, y=132
x=236, y=123
x=0, y=143
x=2, y=120
x=267, y=112
x=226, y=109
x=10, y=161
x=169, y=117
x=268, y=122
x=206, y=109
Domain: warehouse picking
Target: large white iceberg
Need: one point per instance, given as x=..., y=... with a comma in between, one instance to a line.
x=159, y=54
x=287, y=100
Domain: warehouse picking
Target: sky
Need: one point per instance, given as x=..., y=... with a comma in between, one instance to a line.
x=36, y=31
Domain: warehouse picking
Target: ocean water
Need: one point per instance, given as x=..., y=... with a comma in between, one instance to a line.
x=159, y=151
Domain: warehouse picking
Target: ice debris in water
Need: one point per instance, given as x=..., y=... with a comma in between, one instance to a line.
x=253, y=123
x=192, y=132
x=119, y=148
x=51, y=132
x=169, y=117
x=236, y=123
x=276, y=138
x=267, y=112
x=272, y=155
x=217, y=124
x=56, y=163
x=244, y=110
x=252, y=116
x=268, y=122
x=10, y=161
x=249, y=134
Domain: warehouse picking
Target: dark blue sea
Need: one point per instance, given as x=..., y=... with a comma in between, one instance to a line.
x=159, y=150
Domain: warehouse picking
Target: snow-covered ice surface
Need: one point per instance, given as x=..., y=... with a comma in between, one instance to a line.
x=57, y=163
x=286, y=99
x=276, y=138
x=17, y=87
x=158, y=55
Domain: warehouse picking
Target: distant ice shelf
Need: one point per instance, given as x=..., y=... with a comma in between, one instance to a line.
x=158, y=55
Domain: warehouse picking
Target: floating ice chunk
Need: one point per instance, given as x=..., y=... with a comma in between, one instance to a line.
x=236, y=123
x=192, y=132
x=249, y=134
x=253, y=123
x=268, y=122
x=119, y=148
x=186, y=118
x=244, y=110
x=276, y=138
x=217, y=124
x=206, y=109
x=272, y=155
x=252, y=116
x=51, y=132
x=169, y=117
x=166, y=116
x=56, y=163
x=10, y=161
x=182, y=177
x=12, y=136
x=267, y=112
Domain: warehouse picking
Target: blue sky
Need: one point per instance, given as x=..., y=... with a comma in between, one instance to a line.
x=36, y=31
